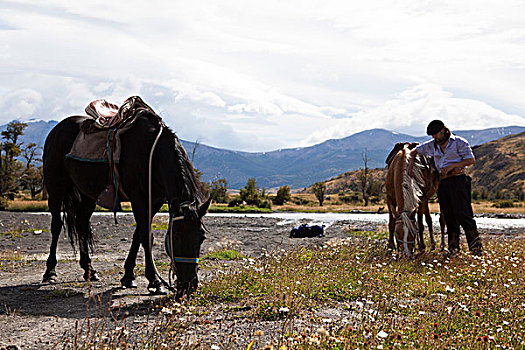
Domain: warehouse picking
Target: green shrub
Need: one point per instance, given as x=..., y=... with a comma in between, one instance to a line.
x=504, y=204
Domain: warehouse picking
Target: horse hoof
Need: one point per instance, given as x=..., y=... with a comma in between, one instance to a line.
x=128, y=283
x=91, y=276
x=50, y=277
x=158, y=291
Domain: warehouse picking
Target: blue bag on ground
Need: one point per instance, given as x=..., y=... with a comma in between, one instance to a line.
x=306, y=230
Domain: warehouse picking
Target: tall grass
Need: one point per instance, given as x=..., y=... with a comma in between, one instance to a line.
x=354, y=294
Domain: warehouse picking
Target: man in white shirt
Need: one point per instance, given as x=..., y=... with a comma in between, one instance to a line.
x=452, y=154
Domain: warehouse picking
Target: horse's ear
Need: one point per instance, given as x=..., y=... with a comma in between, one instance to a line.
x=203, y=209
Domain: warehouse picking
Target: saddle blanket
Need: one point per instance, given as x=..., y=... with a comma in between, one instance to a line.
x=103, y=127
x=92, y=147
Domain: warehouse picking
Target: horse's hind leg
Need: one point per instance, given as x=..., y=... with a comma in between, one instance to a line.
x=85, y=237
x=56, y=226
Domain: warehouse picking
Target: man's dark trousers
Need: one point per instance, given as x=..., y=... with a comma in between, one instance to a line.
x=455, y=203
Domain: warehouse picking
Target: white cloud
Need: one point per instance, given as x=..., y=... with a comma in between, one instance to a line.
x=273, y=74
x=20, y=103
x=414, y=108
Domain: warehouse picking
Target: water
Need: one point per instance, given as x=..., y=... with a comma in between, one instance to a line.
x=329, y=218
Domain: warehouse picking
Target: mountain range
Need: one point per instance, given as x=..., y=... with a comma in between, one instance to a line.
x=295, y=167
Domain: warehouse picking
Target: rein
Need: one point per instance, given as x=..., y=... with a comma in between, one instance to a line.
x=169, y=241
x=166, y=284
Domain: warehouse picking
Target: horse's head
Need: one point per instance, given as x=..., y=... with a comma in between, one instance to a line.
x=185, y=235
x=405, y=233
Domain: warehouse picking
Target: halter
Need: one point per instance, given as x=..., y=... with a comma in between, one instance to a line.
x=169, y=242
x=405, y=243
x=170, y=251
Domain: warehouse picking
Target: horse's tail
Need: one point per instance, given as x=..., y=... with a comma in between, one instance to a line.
x=70, y=208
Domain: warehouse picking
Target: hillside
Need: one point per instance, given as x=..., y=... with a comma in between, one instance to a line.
x=295, y=167
x=500, y=165
x=350, y=181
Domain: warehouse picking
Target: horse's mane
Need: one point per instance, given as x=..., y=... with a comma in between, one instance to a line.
x=412, y=185
x=192, y=184
x=192, y=190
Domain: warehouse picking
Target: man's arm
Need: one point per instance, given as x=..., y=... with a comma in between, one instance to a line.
x=461, y=165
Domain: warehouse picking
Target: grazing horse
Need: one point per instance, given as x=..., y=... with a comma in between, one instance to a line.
x=407, y=196
x=73, y=187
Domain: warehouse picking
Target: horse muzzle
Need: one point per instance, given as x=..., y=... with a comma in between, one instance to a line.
x=186, y=288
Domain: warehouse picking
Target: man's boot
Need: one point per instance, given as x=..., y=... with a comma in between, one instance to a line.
x=474, y=242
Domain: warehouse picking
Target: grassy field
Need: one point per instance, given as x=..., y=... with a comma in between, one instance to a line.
x=348, y=294
x=430, y=302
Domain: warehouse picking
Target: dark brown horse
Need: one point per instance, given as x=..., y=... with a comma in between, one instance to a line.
x=407, y=196
x=73, y=187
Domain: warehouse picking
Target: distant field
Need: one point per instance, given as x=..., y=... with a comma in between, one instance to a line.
x=308, y=203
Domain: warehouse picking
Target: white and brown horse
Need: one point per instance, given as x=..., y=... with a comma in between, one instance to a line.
x=407, y=196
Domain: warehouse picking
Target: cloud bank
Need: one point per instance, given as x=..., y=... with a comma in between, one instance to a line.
x=274, y=75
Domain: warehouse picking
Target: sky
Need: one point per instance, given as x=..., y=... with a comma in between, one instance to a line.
x=272, y=74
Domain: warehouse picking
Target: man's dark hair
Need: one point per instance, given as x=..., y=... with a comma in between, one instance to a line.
x=434, y=127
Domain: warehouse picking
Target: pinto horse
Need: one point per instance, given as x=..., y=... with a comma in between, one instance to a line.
x=407, y=197
x=73, y=187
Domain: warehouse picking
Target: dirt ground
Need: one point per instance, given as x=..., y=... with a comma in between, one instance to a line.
x=35, y=314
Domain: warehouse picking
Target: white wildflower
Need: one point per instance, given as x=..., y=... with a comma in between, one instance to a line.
x=382, y=334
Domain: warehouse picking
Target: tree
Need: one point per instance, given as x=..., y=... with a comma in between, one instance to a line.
x=32, y=178
x=10, y=169
x=319, y=189
x=218, y=190
x=283, y=195
x=364, y=178
x=250, y=193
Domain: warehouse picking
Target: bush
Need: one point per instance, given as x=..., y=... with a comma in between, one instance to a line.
x=349, y=198
x=283, y=195
x=264, y=204
x=235, y=202
x=504, y=204
x=3, y=203
x=300, y=201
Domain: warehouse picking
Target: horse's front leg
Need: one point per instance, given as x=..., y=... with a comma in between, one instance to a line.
x=128, y=280
x=143, y=236
x=391, y=223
